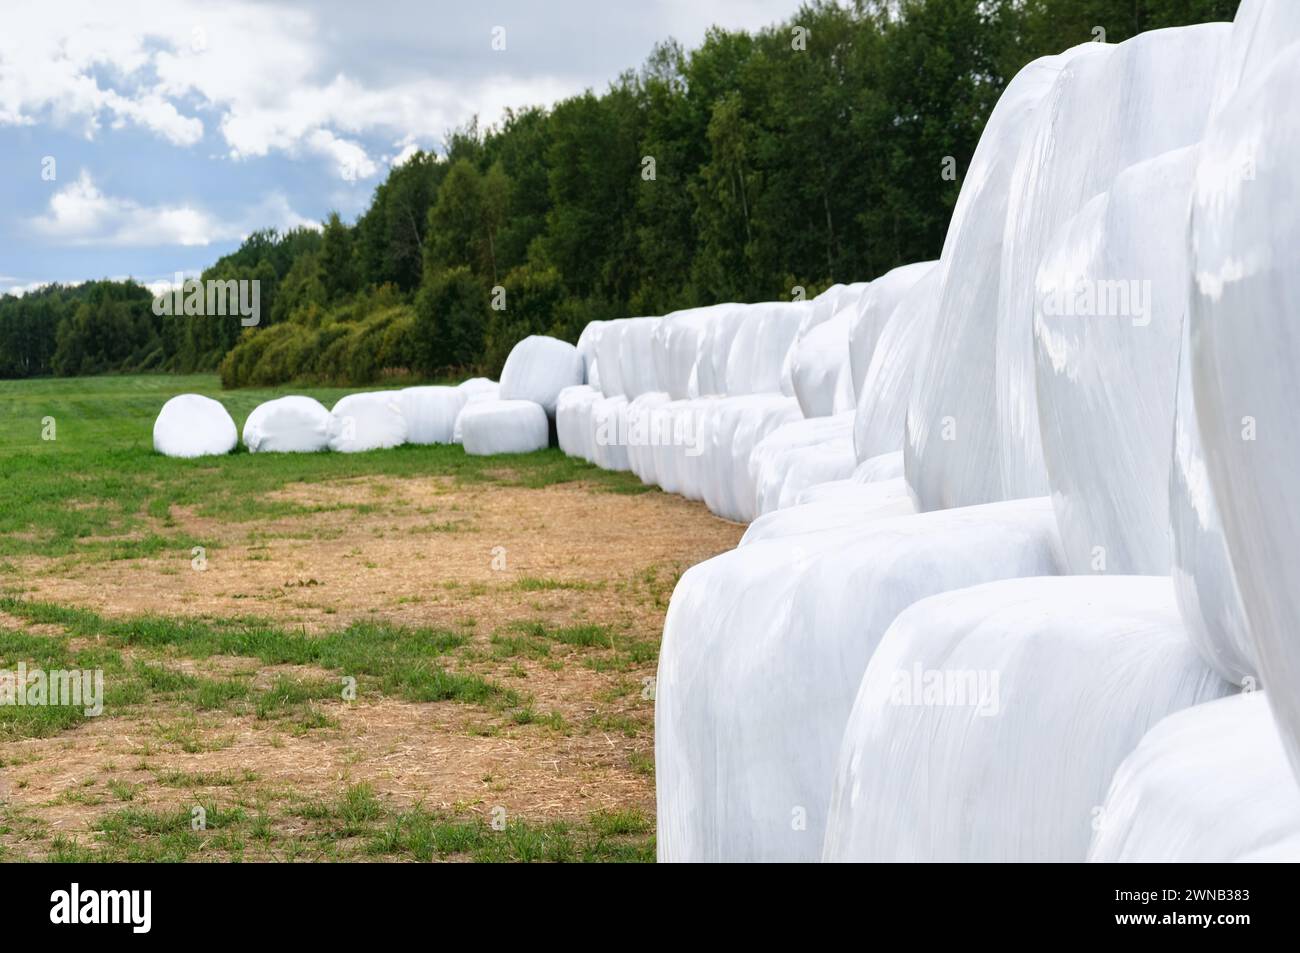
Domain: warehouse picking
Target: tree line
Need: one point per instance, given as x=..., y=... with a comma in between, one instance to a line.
x=829, y=147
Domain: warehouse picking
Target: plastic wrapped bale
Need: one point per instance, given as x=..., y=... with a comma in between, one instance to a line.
x=874, y=309
x=991, y=719
x=729, y=431
x=479, y=385
x=191, y=425
x=796, y=453
x=1209, y=784
x=713, y=350
x=758, y=350
x=676, y=347
x=587, y=342
x=676, y=454
x=1098, y=122
x=538, y=368
x=607, y=360
x=490, y=427
x=867, y=503
x=816, y=368
x=474, y=389
x=1107, y=363
x=1203, y=578
x=644, y=434
x=431, y=413
x=772, y=629
x=1245, y=241
x=636, y=365
x=292, y=424
x=951, y=443
x=819, y=368
x=887, y=386
x=608, y=433
x=886, y=466
x=370, y=421
x=573, y=427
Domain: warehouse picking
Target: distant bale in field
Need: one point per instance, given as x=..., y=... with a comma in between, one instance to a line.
x=289, y=425
x=504, y=426
x=190, y=425
x=538, y=368
x=370, y=421
x=474, y=389
x=431, y=413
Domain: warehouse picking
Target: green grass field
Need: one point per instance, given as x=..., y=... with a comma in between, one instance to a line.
x=86, y=489
x=186, y=689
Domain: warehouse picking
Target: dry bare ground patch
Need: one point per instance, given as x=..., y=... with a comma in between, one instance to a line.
x=546, y=605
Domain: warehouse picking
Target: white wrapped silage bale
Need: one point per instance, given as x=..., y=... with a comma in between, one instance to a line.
x=636, y=364
x=587, y=342
x=874, y=309
x=475, y=389
x=293, y=424
x=573, y=427
x=733, y=768
x=1245, y=241
x=490, y=427
x=538, y=368
x=369, y=421
x=781, y=453
x=1098, y=123
x=431, y=413
x=1209, y=784
x=191, y=425
x=887, y=386
x=991, y=719
x=951, y=449
x=643, y=435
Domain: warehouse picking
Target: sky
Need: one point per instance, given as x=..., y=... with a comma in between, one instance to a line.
x=142, y=138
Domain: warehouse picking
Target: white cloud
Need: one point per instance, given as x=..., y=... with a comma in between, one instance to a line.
x=80, y=214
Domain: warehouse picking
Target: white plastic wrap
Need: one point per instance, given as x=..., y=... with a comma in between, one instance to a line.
x=587, y=342
x=608, y=421
x=713, y=349
x=607, y=362
x=770, y=629
x=573, y=427
x=901, y=345
x=431, y=413
x=951, y=446
x=538, y=368
x=864, y=503
x=1210, y=784
x=1202, y=572
x=676, y=341
x=292, y=424
x=503, y=426
x=1111, y=293
x=1245, y=240
x=475, y=389
x=819, y=367
x=874, y=307
x=369, y=421
x=1100, y=118
x=758, y=350
x=636, y=365
x=991, y=719
x=191, y=425
x=793, y=455
x=478, y=385
x=886, y=466
x=643, y=434
x=730, y=428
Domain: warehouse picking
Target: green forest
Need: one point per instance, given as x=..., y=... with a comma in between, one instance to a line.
x=827, y=148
